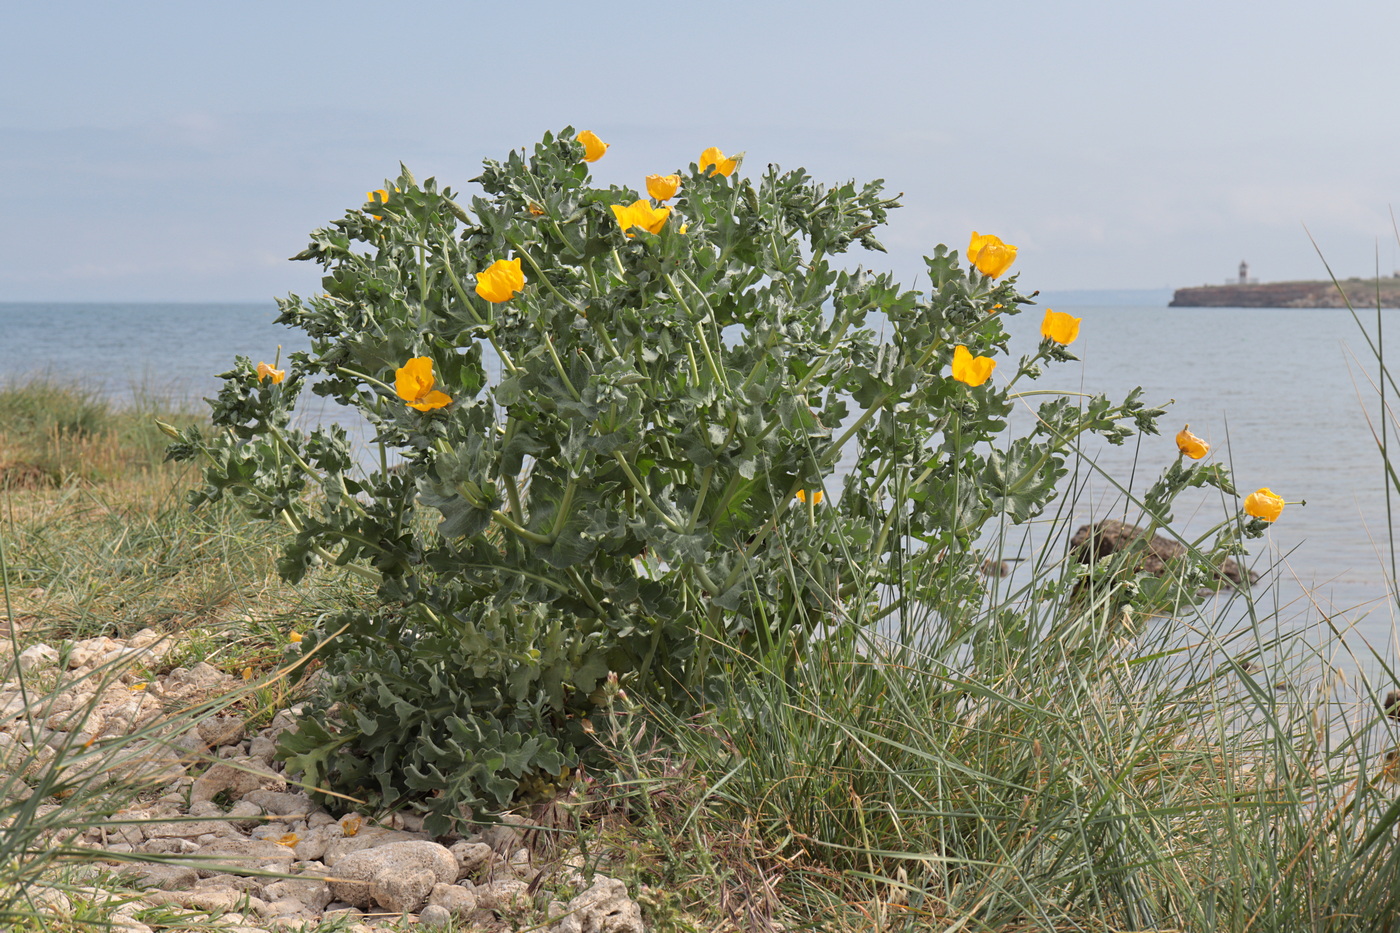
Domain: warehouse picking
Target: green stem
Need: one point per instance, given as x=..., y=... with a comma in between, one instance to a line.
x=370, y=379
x=705, y=478
x=562, y=515
x=700, y=332
x=310, y=471
x=559, y=366
x=507, y=522
x=585, y=592
x=646, y=496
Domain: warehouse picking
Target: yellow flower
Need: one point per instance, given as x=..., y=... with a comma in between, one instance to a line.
x=1190, y=445
x=817, y=496
x=990, y=255
x=973, y=370
x=663, y=187
x=414, y=383
x=1263, y=503
x=534, y=209
x=350, y=824
x=1060, y=327
x=377, y=196
x=722, y=166
x=593, y=147
x=264, y=371
x=247, y=673
x=500, y=281
x=640, y=214
x=294, y=637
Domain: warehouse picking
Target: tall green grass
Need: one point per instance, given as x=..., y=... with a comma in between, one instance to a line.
x=1051, y=757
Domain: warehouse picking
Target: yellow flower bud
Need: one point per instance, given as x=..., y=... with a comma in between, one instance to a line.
x=1190, y=445
x=973, y=370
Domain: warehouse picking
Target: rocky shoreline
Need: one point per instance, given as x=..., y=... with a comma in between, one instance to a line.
x=224, y=831
x=1326, y=294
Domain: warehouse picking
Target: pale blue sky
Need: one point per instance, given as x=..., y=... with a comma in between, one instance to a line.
x=183, y=150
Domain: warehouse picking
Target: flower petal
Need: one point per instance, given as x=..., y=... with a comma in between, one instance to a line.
x=663, y=187
x=969, y=369
x=414, y=379
x=500, y=281
x=1264, y=503
x=1060, y=327
x=593, y=147
x=431, y=400
x=266, y=371
x=713, y=159
x=1190, y=445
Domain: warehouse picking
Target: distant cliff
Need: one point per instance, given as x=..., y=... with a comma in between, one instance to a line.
x=1361, y=293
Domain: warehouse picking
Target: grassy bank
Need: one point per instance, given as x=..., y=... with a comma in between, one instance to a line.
x=1048, y=761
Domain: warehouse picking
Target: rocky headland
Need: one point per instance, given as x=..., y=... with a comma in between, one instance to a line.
x=1356, y=293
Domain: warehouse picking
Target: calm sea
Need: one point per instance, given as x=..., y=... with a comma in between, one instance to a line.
x=1286, y=397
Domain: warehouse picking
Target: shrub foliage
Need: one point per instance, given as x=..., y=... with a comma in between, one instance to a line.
x=629, y=469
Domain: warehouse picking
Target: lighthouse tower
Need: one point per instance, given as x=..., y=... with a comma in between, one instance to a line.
x=1244, y=272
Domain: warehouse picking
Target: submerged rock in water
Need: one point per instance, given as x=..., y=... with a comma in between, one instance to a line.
x=1110, y=536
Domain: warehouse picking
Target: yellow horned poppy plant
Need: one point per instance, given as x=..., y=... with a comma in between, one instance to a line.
x=973, y=370
x=1060, y=327
x=500, y=281
x=1263, y=503
x=817, y=496
x=265, y=371
x=593, y=147
x=663, y=187
x=1190, y=445
x=640, y=214
x=721, y=166
x=990, y=255
x=414, y=383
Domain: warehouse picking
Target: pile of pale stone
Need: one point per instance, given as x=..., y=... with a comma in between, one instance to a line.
x=231, y=838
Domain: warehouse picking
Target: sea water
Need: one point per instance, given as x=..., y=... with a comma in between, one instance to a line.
x=1286, y=397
